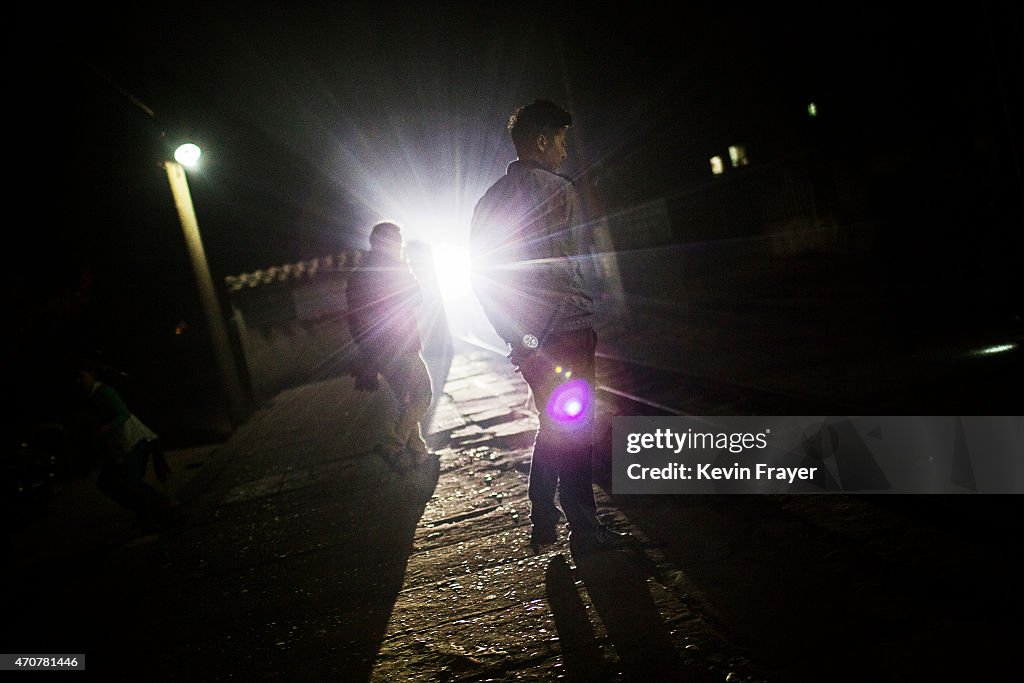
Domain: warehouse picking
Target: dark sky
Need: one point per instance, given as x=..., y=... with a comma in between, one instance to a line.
x=317, y=119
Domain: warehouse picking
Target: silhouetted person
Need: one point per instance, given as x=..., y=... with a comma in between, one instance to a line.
x=383, y=296
x=532, y=290
x=125, y=446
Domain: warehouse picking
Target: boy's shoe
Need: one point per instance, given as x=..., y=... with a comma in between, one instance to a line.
x=390, y=453
x=541, y=537
x=598, y=540
x=417, y=448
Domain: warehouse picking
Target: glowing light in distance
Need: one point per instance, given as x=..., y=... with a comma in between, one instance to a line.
x=992, y=350
x=451, y=265
x=812, y=110
x=738, y=156
x=188, y=155
x=466, y=318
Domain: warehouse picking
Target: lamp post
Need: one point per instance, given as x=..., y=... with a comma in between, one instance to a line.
x=188, y=155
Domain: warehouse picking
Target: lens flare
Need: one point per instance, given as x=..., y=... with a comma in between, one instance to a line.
x=569, y=402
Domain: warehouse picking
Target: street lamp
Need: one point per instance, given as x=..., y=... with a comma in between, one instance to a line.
x=188, y=155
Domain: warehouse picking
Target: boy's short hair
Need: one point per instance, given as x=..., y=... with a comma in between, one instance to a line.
x=529, y=121
x=385, y=231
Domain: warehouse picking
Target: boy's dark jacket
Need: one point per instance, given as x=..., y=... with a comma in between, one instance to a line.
x=383, y=296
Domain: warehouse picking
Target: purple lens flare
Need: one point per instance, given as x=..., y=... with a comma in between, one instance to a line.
x=569, y=402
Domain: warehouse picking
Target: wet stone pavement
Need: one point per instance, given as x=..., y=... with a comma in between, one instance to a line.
x=307, y=557
x=477, y=604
